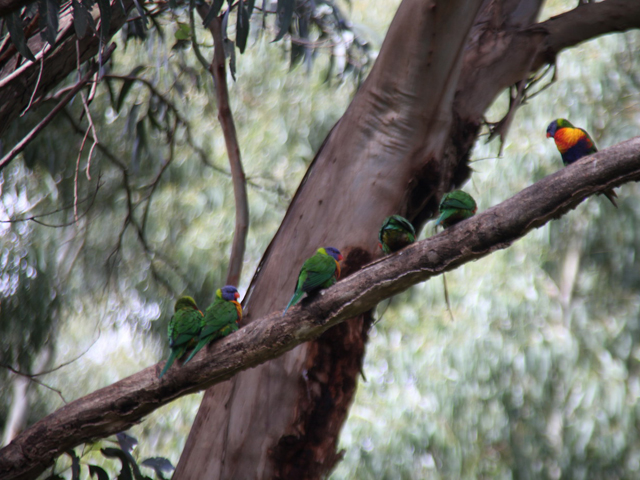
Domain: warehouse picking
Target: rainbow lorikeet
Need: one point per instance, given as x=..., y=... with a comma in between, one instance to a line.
x=396, y=233
x=455, y=206
x=184, y=328
x=319, y=271
x=220, y=318
x=574, y=143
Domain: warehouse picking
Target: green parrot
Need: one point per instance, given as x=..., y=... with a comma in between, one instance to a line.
x=220, y=318
x=184, y=328
x=319, y=271
x=455, y=206
x=396, y=233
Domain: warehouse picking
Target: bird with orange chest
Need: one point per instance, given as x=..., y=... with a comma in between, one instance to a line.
x=573, y=143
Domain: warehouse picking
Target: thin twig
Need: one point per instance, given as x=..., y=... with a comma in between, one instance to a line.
x=34, y=218
x=35, y=380
x=33, y=95
x=75, y=177
x=21, y=145
x=54, y=369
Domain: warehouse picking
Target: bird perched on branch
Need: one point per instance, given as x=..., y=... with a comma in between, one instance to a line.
x=184, y=328
x=319, y=271
x=455, y=206
x=574, y=143
x=396, y=232
x=220, y=318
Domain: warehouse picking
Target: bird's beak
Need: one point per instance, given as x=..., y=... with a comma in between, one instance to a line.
x=548, y=135
x=236, y=295
x=340, y=257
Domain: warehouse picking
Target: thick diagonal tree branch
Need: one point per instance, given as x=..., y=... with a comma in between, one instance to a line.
x=588, y=21
x=119, y=406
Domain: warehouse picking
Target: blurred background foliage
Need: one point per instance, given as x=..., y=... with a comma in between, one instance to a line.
x=536, y=377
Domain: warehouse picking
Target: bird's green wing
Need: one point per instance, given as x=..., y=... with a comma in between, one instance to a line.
x=184, y=327
x=400, y=223
x=458, y=200
x=217, y=316
x=445, y=215
x=219, y=320
x=319, y=269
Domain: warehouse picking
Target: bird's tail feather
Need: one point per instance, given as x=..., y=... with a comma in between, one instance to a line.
x=296, y=296
x=170, y=361
x=196, y=349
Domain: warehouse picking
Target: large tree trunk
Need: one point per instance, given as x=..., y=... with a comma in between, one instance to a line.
x=404, y=140
x=386, y=155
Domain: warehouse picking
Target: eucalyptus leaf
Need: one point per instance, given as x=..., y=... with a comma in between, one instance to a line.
x=75, y=466
x=105, y=19
x=284, y=15
x=98, y=472
x=14, y=25
x=141, y=11
x=250, y=4
x=132, y=120
x=183, y=32
x=242, y=27
x=111, y=452
x=159, y=464
x=213, y=12
x=126, y=87
x=49, y=11
x=80, y=18
x=127, y=442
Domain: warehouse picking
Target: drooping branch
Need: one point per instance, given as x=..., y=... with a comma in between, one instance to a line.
x=118, y=406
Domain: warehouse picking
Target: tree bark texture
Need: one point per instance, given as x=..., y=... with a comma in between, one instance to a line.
x=403, y=141
x=119, y=406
